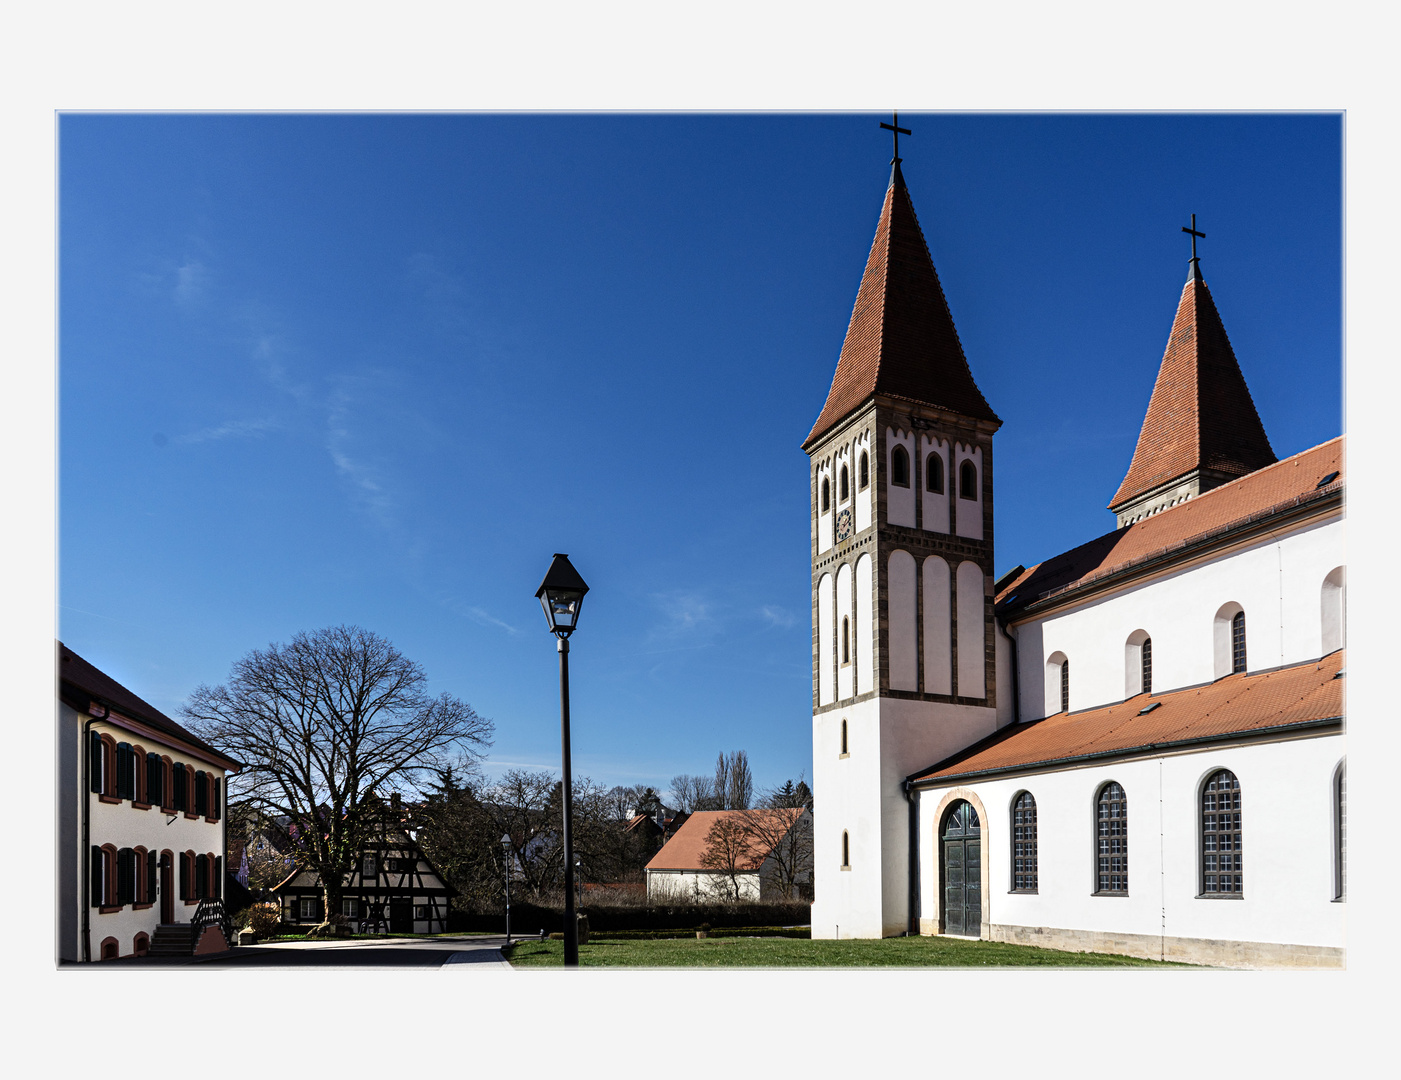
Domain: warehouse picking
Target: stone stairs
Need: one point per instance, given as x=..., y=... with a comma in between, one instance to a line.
x=173, y=939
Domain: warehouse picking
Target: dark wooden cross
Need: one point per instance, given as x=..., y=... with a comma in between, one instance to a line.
x=896, y=130
x=1195, y=235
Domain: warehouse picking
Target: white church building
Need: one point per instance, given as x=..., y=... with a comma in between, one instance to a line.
x=1136, y=746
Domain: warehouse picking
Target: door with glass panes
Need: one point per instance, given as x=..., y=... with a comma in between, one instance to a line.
x=961, y=870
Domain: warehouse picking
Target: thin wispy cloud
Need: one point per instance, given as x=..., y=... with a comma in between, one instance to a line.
x=191, y=281
x=777, y=616
x=486, y=618
x=366, y=480
x=232, y=429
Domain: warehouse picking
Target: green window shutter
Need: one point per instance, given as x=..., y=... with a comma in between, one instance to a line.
x=151, y=863
x=184, y=876
x=98, y=897
x=201, y=794
x=217, y=807
x=154, y=775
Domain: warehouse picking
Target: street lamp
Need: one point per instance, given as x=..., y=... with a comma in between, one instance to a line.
x=506, y=851
x=561, y=594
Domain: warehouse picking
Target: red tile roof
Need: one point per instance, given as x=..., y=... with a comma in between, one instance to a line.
x=1286, y=484
x=1234, y=705
x=685, y=849
x=81, y=683
x=1201, y=414
x=901, y=341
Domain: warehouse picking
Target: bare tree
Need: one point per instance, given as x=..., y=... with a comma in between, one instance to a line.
x=729, y=850
x=327, y=726
x=738, y=789
x=692, y=793
x=782, y=827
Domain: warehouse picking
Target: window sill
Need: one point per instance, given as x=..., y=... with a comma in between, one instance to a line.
x=1110, y=892
x=191, y=903
x=104, y=797
x=141, y=907
x=1220, y=896
x=190, y=817
x=140, y=805
x=108, y=909
x=211, y=820
x=1023, y=892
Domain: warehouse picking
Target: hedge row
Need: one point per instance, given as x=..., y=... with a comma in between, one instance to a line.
x=528, y=919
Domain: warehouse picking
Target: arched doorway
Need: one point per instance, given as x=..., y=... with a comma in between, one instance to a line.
x=961, y=870
x=167, y=888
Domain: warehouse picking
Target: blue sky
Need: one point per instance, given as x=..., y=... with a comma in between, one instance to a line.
x=377, y=369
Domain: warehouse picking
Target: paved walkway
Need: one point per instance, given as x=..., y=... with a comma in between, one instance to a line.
x=453, y=953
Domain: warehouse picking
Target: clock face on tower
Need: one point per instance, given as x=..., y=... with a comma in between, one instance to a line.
x=843, y=524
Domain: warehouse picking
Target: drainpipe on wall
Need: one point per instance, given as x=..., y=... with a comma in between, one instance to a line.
x=86, y=898
x=1016, y=671
x=911, y=798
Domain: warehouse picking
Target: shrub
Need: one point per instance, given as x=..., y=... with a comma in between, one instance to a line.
x=263, y=919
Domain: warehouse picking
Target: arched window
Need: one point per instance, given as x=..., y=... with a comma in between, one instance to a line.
x=846, y=640
x=844, y=749
x=1057, y=683
x=1334, y=605
x=846, y=851
x=1147, y=665
x=826, y=495
x=110, y=950
x=934, y=473
x=863, y=472
x=1228, y=640
x=1340, y=833
x=1138, y=664
x=1221, y=866
x=900, y=467
x=1065, y=686
x=1024, y=843
x=967, y=481
x=141, y=945
x=102, y=876
x=843, y=492
x=1112, y=840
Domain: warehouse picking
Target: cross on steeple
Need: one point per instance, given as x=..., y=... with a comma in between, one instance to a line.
x=896, y=131
x=1196, y=270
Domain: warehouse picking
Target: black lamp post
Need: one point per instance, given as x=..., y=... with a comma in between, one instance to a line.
x=506, y=851
x=561, y=594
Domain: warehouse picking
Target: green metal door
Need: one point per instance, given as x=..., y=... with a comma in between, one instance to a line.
x=962, y=871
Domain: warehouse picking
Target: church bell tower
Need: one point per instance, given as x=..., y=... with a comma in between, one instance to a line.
x=904, y=644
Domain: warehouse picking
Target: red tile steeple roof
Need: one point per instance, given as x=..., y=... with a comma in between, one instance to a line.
x=1201, y=415
x=901, y=341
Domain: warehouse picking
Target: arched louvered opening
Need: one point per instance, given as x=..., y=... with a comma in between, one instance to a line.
x=967, y=481
x=863, y=472
x=934, y=473
x=900, y=467
x=826, y=495
x=843, y=489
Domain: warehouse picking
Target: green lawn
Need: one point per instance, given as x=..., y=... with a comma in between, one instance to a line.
x=790, y=952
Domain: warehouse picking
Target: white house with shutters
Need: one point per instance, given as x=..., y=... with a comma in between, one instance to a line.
x=1136, y=746
x=141, y=836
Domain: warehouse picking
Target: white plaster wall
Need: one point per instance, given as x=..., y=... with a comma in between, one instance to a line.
x=934, y=507
x=1276, y=581
x=938, y=637
x=887, y=740
x=1002, y=654
x=689, y=885
x=844, y=604
x=1287, y=842
x=968, y=513
x=899, y=501
x=864, y=496
x=865, y=628
x=904, y=669
x=972, y=668
x=826, y=614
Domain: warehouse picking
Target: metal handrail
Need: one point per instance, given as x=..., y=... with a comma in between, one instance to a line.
x=211, y=912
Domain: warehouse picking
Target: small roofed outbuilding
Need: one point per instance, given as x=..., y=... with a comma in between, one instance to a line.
x=728, y=855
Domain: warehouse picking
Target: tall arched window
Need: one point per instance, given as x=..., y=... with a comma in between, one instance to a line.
x=1065, y=685
x=1024, y=843
x=1334, y=609
x=826, y=495
x=1238, y=642
x=1112, y=840
x=1146, y=658
x=846, y=851
x=843, y=490
x=846, y=640
x=934, y=473
x=1057, y=683
x=900, y=467
x=1221, y=863
x=1340, y=833
x=863, y=472
x=844, y=749
x=1228, y=640
x=967, y=481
